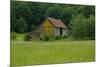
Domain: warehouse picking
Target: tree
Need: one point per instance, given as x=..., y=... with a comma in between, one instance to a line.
x=20, y=9
x=66, y=15
x=35, y=14
x=21, y=26
x=54, y=11
x=83, y=28
x=88, y=10
x=78, y=27
x=90, y=28
x=13, y=17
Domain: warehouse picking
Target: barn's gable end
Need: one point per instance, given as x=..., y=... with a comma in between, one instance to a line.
x=47, y=28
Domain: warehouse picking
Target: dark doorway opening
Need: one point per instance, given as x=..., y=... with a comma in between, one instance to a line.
x=60, y=31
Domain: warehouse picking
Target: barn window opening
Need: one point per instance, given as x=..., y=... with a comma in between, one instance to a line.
x=60, y=31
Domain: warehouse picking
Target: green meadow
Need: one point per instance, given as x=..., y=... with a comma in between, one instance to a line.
x=51, y=52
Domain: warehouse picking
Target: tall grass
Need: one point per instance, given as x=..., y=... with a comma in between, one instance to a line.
x=51, y=52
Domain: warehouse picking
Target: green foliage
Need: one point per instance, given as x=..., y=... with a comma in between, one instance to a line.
x=18, y=10
x=88, y=11
x=82, y=27
x=78, y=27
x=21, y=26
x=67, y=15
x=41, y=38
x=52, y=38
x=13, y=36
x=65, y=36
x=35, y=13
x=55, y=11
x=28, y=37
x=46, y=38
x=26, y=17
x=90, y=27
x=58, y=37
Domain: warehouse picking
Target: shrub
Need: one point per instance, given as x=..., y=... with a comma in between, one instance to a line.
x=13, y=35
x=27, y=37
x=65, y=36
x=58, y=37
x=41, y=38
x=46, y=38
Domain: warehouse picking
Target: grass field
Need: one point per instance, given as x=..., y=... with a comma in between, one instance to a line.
x=51, y=52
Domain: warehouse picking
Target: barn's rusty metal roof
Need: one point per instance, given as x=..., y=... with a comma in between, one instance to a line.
x=57, y=23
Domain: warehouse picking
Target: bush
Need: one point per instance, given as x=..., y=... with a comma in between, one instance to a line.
x=41, y=38
x=27, y=38
x=13, y=35
x=46, y=38
x=65, y=36
x=58, y=37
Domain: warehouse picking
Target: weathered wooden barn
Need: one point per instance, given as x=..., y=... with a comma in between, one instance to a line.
x=52, y=27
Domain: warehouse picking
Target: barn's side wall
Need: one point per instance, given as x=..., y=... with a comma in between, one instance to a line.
x=64, y=31
x=57, y=32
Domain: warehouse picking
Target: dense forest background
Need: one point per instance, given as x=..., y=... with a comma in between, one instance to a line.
x=80, y=19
